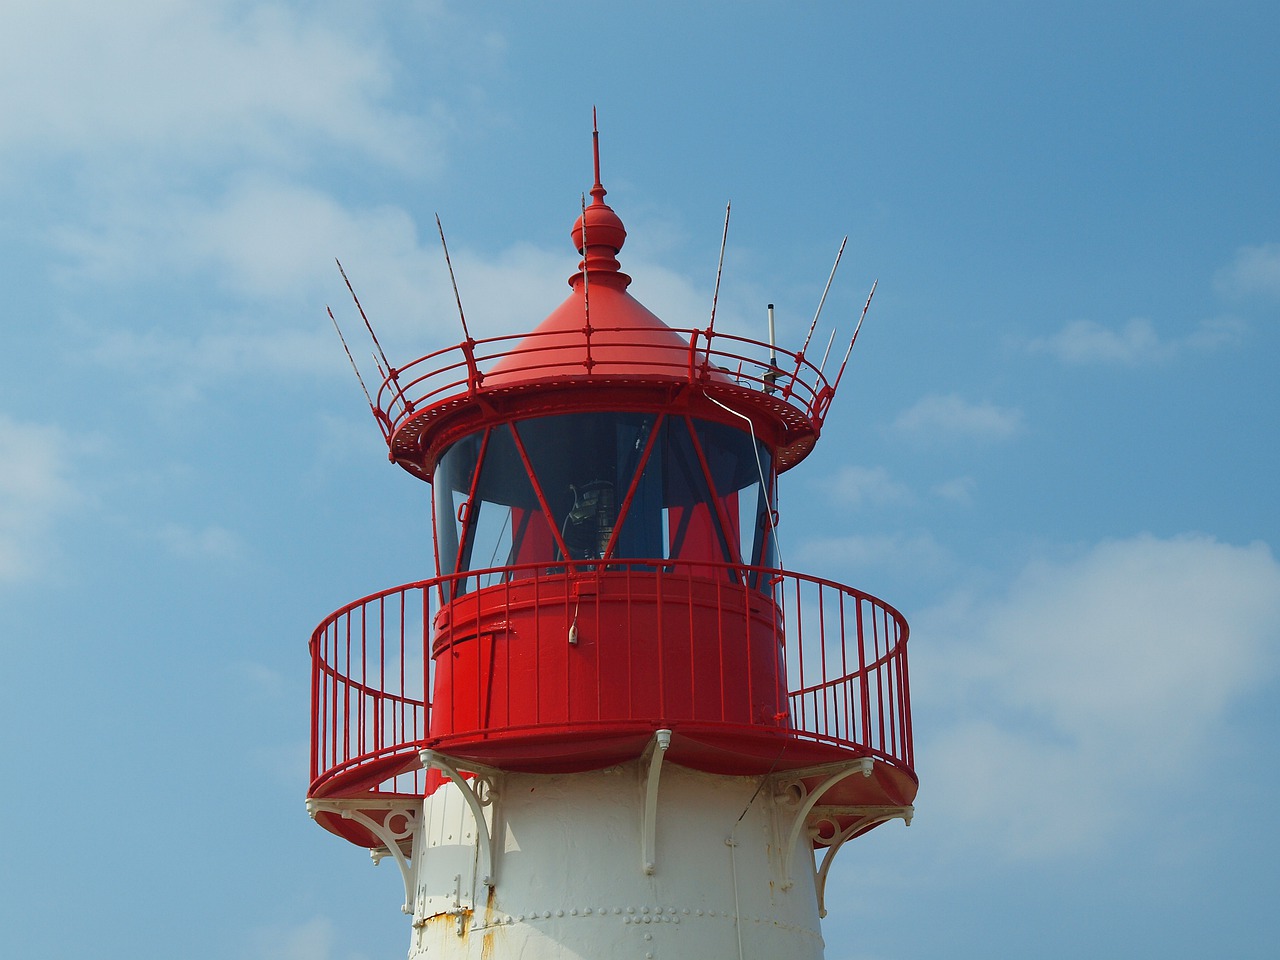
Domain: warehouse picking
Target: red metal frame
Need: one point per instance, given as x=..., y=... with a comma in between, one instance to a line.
x=441, y=383
x=842, y=650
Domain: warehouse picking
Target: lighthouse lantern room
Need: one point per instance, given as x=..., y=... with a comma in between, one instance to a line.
x=611, y=725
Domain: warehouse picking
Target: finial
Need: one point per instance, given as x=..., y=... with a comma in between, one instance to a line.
x=597, y=189
x=598, y=234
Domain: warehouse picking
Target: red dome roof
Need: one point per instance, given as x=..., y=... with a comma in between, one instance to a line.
x=599, y=328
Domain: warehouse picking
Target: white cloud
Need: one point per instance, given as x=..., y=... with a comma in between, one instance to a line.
x=1090, y=687
x=957, y=490
x=205, y=543
x=950, y=417
x=35, y=488
x=1137, y=342
x=204, y=80
x=1255, y=271
x=1084, y=341
x=854, y=486
x=843, y=556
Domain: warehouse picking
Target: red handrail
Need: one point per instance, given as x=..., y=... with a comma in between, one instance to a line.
x=457, y=370
x=843, y=659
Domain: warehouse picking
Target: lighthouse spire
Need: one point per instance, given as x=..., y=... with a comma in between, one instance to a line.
x=598, y=234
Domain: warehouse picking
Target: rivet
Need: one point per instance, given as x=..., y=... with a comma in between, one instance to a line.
x=587, y=911
x=648, y=936
x=644, y=909
x=559, y=913
x=631, y=909
x=648, y=919
x=617, y=910
x=546, y=914
x=573, y=912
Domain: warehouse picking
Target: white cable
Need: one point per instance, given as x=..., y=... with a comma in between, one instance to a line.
x=764, y=486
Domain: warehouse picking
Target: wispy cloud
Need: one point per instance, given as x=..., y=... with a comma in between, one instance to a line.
x=1255, y=271
x=950, y=417
x=1090, y=685
x=1135, y=343
x=844, y=556
x=203, y=543
x=35, y=488
x=854, y=486
x=204, y=81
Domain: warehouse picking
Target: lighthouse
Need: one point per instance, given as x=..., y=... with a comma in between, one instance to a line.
x=611, y=724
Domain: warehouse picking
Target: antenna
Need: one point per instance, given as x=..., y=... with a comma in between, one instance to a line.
x=823, y=299
x=830, y=340
x=771, y=375
x=350, y=358
x=452, y=279
x=724, y=238
x=595, y=147
x=854, y=338
x=368, y=326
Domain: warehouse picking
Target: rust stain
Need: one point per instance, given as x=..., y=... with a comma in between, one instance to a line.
x=490, y=930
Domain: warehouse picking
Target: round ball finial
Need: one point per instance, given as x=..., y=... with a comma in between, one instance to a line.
x=603, y=227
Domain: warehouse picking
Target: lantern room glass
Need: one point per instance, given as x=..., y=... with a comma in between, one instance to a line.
x=609, y=486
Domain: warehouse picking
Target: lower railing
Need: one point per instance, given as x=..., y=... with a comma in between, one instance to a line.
x=583, y=647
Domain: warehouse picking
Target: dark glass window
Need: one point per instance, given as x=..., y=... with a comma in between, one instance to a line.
x=609, y=486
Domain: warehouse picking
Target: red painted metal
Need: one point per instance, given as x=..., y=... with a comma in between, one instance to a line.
x=747, y=684
x=566, y=665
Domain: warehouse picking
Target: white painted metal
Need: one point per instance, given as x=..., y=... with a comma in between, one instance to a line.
x=569, y=865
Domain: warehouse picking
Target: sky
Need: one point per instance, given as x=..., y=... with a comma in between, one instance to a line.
x=1054, y=450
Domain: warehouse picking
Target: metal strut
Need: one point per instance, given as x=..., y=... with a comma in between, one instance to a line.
x=842, y=771
x=868, y=817
x=444, y=764
x=650, y=776
x=410, y=810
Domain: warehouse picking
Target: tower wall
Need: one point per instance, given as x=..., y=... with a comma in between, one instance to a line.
x=570, y=876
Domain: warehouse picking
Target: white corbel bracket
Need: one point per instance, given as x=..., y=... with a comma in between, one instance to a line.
x=838, y=772
x=488, y=779
x=651, y=773
x=865, y=818
x=409, y=811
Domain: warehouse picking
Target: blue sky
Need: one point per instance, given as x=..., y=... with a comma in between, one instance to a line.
x=1055, y=449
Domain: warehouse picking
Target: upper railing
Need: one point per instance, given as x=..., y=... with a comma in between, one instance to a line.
x=709, y=357
x=842, y=653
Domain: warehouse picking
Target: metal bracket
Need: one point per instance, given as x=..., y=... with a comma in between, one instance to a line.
x=867, y=817
x=839, y=771
x=484, y=777
x=354, y=809
x=650, y=776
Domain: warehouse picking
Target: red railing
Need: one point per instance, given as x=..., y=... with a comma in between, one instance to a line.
x=842, y=655
x=710, y=356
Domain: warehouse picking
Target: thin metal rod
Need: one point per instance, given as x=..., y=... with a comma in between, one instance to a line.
x=830, y=340
x=773, y=350
x=715, y=296
x=367, y=324
x=586, y=281
x=349, y=357
x=452, y=279
x=854, y=338
x=823, y=299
